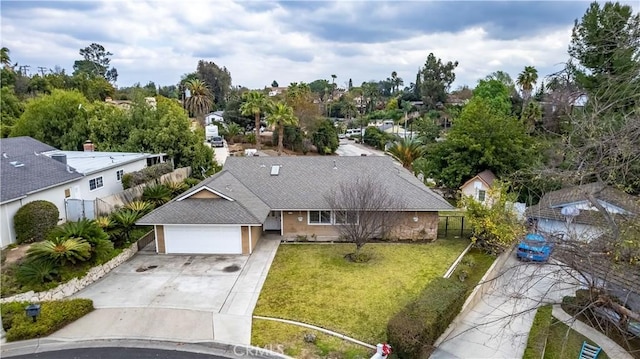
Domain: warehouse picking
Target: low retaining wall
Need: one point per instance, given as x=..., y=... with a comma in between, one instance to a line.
x=487, y=282
x=76, y=284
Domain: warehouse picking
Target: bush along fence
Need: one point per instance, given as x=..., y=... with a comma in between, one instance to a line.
x=76, y=284
x=453, y=226
x=106, y=205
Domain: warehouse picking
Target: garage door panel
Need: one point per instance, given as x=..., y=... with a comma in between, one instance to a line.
x=203, y=239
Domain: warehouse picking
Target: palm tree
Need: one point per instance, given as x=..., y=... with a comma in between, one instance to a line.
x=61, y=250
x=406, y=151
x=396, y=81
x=5, y=59
x=200, y=99
x=233, y=130
x=254, y=103
x=125, y=220
x=280, y=115
x=527, y=80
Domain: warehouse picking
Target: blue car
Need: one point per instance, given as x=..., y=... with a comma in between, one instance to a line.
x=534, y=247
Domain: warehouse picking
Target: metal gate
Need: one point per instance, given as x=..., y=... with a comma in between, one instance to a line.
x=77, y=209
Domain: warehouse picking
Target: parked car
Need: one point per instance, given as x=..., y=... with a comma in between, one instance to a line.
x=217, y=141
x=534, y=247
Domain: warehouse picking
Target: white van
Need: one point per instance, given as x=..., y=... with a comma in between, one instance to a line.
x=355, y=132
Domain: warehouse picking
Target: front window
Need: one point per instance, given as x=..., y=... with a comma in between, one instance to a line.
x=95, y=183
x=319, y=217
x=346, y=217
x=481, y=195
x=119, y=175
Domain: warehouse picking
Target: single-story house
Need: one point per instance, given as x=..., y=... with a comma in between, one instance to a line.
x=228, y=212
x=72, y=180
x=478, y=186
x=212, y=117
x=567, y=212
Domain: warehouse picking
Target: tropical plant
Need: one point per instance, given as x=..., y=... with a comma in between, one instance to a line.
x=156, y=194
x=34, y=220
x=36, y=272
x=61, y=250
x=406, y=151
x=176, y=187
x=90, y=231
x=140, y=206
x=280, y=115
x=104, y=222
x=5, y=58
x=125, y=220
x=200, y=99
x=233, y=130
x=527, y=80
x=255, y=102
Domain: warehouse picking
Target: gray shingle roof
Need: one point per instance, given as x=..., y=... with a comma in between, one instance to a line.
x=303, y=182
x=246, y=207
x=550, y=205
x=37, y=173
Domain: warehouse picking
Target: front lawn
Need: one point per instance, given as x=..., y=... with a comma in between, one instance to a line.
x=314, y=284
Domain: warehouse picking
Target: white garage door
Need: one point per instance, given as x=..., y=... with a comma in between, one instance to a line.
x=203, y=239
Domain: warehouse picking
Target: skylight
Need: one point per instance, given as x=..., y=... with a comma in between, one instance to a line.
x=275, y=170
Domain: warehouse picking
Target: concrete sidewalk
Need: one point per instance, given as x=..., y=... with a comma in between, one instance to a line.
x=498, y=325
x=230, y=324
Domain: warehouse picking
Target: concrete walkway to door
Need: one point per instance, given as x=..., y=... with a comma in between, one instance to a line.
x=189, y=322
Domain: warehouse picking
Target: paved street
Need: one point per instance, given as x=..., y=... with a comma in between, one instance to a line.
x=498, y=326
x=117, y=353
x=350, y=148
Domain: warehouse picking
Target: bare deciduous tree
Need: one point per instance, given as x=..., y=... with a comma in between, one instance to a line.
x=363, y=210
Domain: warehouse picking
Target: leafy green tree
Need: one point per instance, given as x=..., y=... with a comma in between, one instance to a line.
x=427, y=130
x=325, y=138
x=532, y=116
x=255, y=102
x=95, y=63
x=406, y=152
x=527, y=80
x=10, y=108
x=199, y=101
x=301, y=99
x=495, y=94
x=274, y=83
x=495, y=224
x=606, y=43
x=218, y=79
x=59, y=120
x=94, y=88
x=435, y=78
x=233, y=114
x=279, y=116
x=482, y=138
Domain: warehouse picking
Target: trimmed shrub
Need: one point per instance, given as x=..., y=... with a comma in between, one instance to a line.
x=53, y=316
x=417, y=326
x=34, y=220
x=539, y=333
x=190, y=181
x=146, y=174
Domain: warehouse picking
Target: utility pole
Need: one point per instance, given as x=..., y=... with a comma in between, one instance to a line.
x=42, y=68
x=24, y=70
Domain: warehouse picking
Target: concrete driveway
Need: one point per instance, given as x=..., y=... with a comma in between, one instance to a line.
x=350, y=148
x=187, y=299
x=220, y=153
x=168, y=281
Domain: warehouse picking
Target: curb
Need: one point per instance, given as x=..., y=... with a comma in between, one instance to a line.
x=34, y=346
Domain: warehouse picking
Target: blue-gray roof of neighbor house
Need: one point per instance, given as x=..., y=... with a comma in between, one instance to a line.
x=25, y=170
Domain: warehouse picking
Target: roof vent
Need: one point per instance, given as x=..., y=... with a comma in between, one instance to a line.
x=334, y=165
x=4, y=154
x=275, y=170
x=17, y=164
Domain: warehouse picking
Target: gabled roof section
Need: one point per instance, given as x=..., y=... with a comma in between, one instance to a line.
x=31, y=170
x=237, y=205
x=303, y=182
x=485, y=176
x=551, y=204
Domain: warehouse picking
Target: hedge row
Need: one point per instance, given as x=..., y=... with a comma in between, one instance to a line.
x=53, y=316
x=146, y=174
x=416, y=327
x=539, y=333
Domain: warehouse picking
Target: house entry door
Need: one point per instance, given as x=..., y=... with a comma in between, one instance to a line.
x=274, y=221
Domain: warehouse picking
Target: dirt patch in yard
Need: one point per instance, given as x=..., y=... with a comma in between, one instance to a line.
x=14, y=255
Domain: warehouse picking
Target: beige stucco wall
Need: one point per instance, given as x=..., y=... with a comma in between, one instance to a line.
x=256, y=232
x=291, y=227
x=160, y=248
x=204, y=194
x=245, y=239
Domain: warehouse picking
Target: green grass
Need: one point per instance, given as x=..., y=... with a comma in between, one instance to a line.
x=314, y=284
x=289, y=339
x=472, y=268
x=554, y=338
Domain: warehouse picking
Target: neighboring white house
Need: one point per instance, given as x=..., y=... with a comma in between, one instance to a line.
x=478, y=186
x=568, y=212
x=72, y=180
x=216, y=116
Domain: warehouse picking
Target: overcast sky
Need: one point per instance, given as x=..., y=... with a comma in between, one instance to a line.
x=293, y=41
